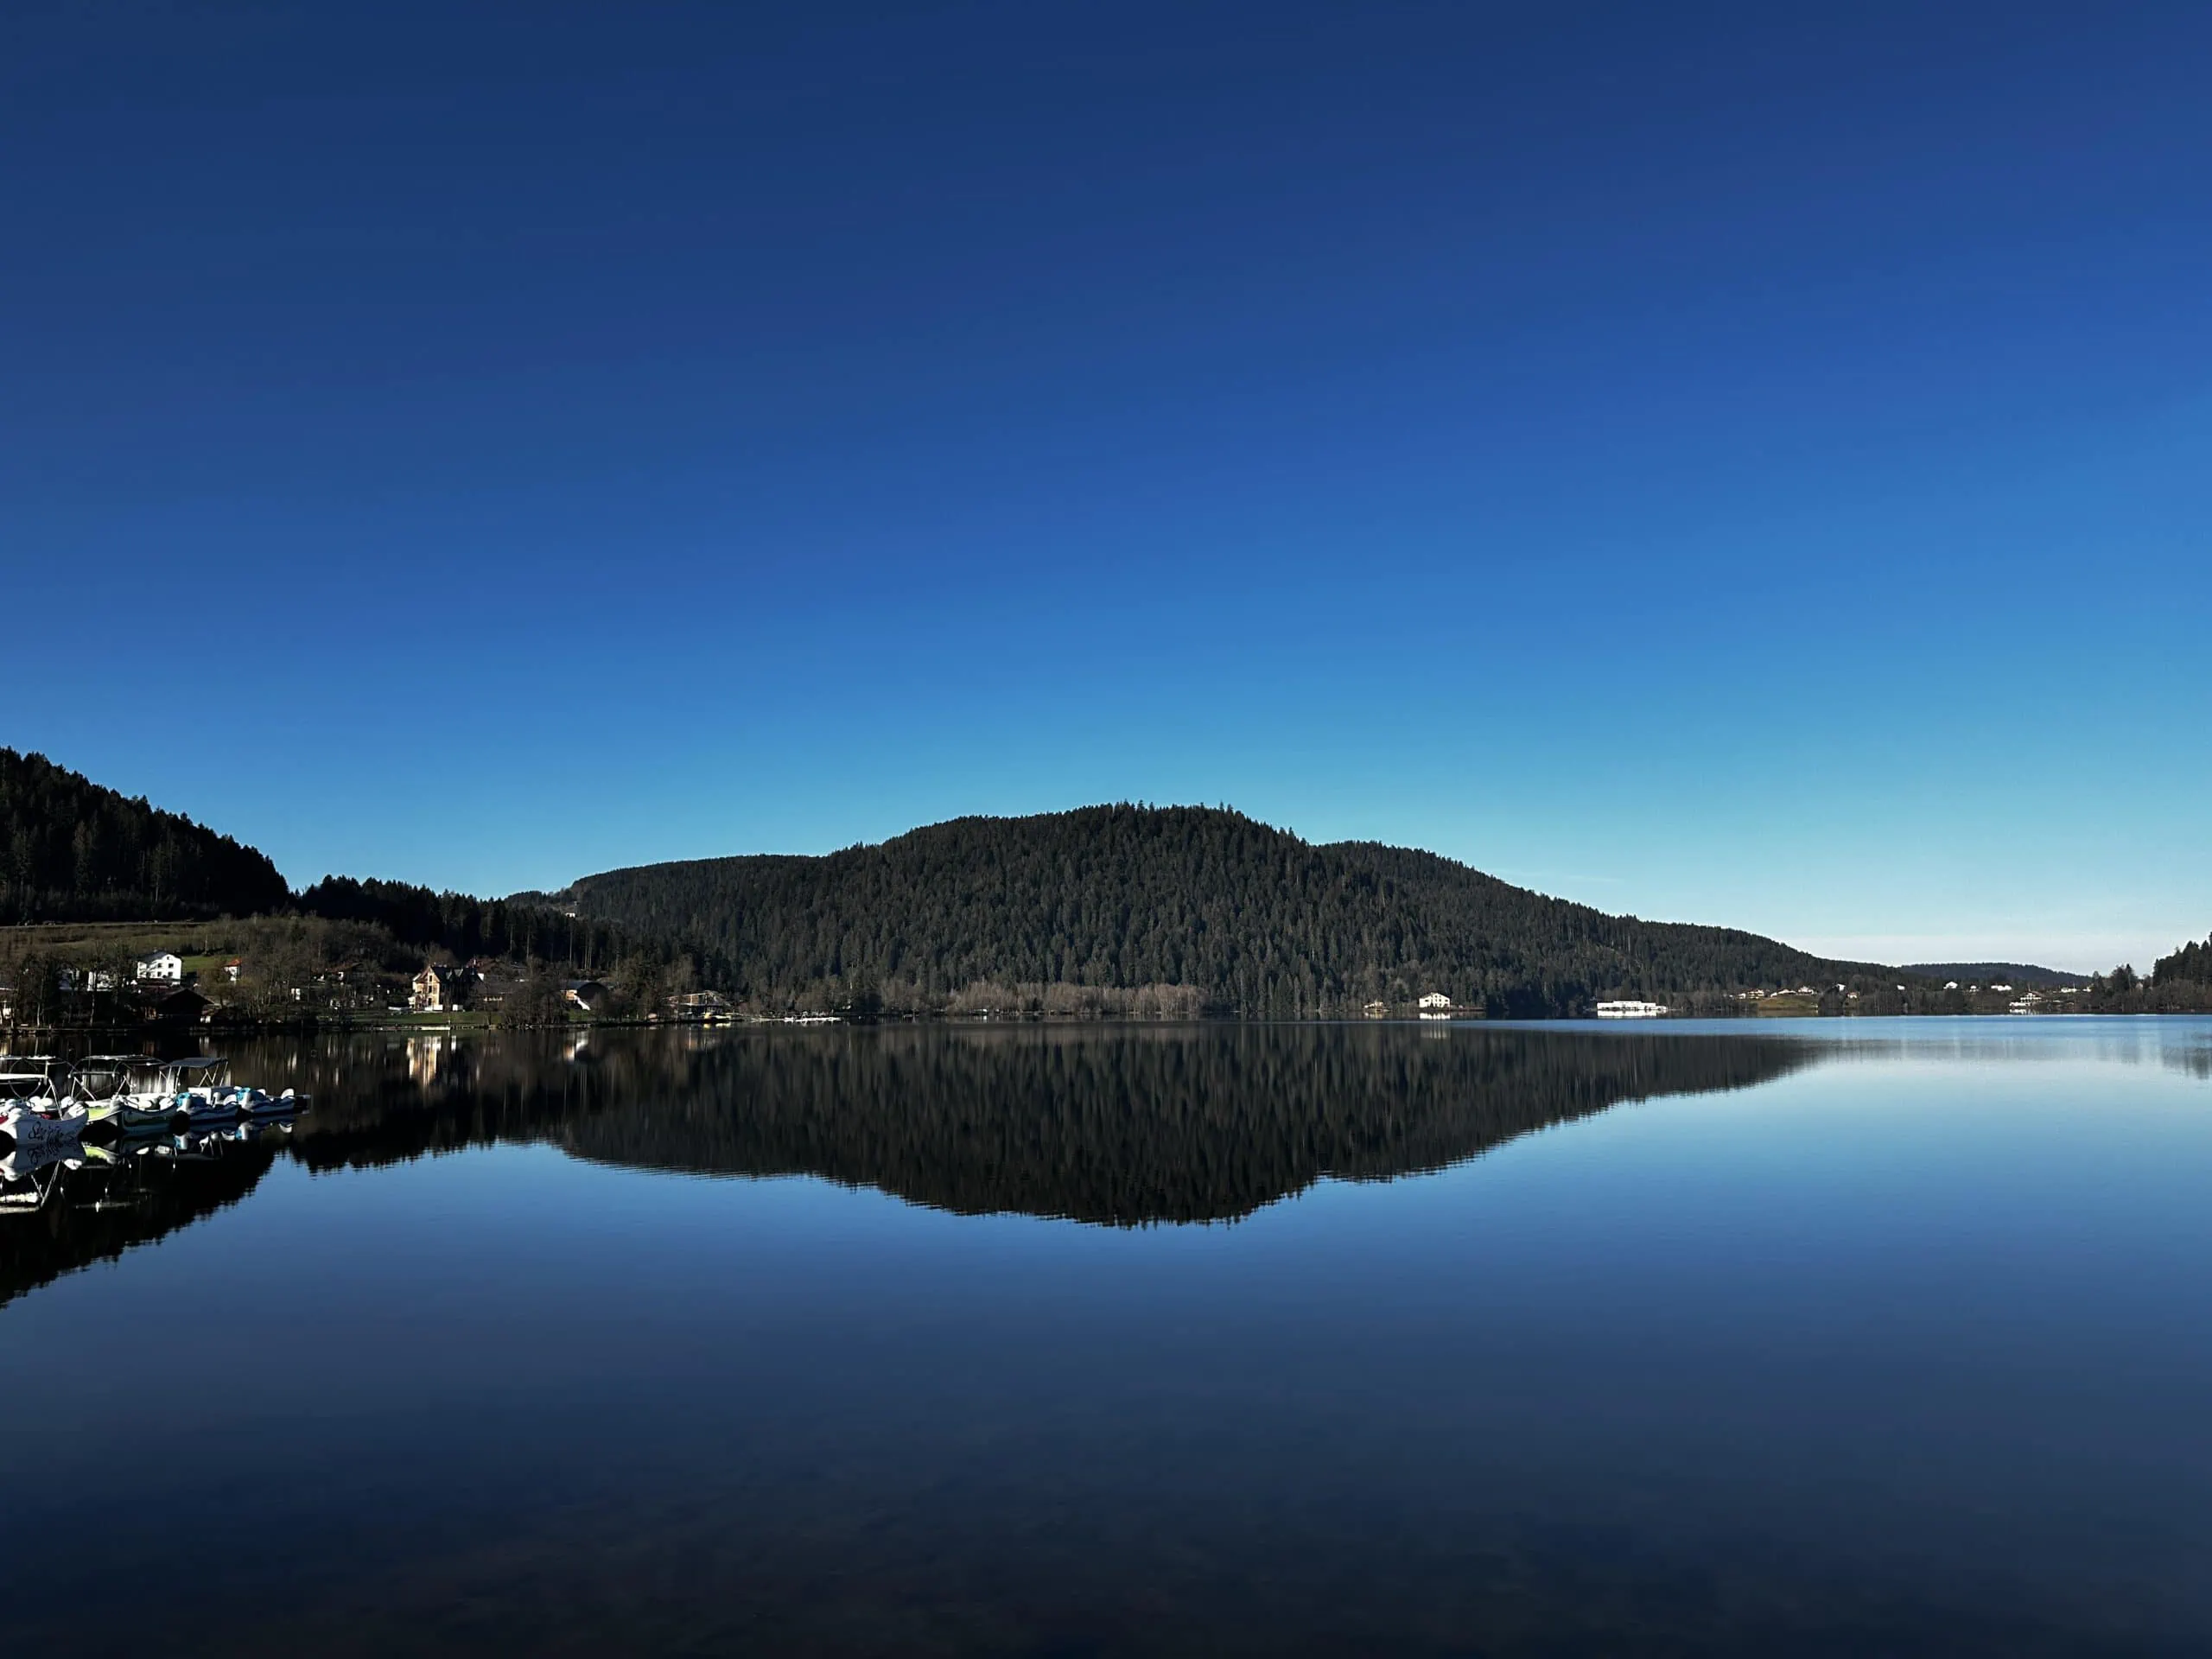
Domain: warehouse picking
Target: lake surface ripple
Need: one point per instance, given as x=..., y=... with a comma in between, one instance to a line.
x=1846, y=1337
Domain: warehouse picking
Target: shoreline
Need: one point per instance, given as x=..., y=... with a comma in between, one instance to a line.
x=11, y=1036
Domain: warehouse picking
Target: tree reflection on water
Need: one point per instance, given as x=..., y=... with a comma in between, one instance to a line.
x=1120, y=1126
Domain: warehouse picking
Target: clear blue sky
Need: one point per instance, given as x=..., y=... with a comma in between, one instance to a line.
x=1720, y=463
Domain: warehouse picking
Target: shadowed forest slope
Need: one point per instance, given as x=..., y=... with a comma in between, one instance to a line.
x=1260, y=922
x=74, y=850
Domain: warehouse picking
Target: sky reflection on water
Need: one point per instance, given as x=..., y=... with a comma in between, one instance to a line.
x=1732, y=1340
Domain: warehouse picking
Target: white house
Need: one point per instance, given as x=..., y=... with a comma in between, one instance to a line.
x=163, y=965
x=1436, y=1005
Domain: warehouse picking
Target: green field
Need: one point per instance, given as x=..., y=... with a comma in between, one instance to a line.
x=1778, y=1007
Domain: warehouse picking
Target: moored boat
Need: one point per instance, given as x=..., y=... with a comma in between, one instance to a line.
x=194, y=1090
x=209, y=1110
x=27, y=1125
x=33, y=1080
x=132, y=1093
x=257, y=1103
x=100, y=1083
x=32, y=1111
x=136, y=1094
x=135, y=1125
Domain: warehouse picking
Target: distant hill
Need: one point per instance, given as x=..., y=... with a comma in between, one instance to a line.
x=73, y=850
x=2026, y=976
x=1260, y=921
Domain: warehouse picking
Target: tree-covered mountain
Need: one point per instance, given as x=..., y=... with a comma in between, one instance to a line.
x=1260, y=921
x=1108, y=910
x=2023, y=976
x=72, y=850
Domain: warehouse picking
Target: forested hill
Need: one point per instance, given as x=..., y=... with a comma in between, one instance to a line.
x=1258, y=921
x=71, y=850
x=2026, y=975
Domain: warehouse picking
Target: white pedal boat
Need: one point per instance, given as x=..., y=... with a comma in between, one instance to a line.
x=29, y=1127
x=255, y=1102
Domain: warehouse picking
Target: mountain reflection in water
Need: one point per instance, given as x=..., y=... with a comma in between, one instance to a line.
x=1903, y=1351
x=1124, y=1126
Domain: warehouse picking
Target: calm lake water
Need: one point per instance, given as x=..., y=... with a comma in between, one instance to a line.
x=1846, y=1337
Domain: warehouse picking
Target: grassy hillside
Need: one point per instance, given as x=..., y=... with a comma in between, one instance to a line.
x=1261, y=922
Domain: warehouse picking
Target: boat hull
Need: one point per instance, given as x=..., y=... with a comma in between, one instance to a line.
x=30, y=1128
x=282, y=1105
x=143, y=1117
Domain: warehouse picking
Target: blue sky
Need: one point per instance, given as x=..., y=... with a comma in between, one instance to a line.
x=1734, y=464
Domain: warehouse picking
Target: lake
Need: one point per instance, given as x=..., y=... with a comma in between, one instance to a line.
x=1826, y=1337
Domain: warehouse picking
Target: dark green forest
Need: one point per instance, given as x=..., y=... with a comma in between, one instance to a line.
x=2190, y=965
x=464, y=927
x=1262, y=923
x=2180, y=983
x=76, y=851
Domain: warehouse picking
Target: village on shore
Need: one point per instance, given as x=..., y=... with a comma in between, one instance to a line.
x=165, y=991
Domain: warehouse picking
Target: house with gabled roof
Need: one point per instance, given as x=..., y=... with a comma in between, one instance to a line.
x=441, y=988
